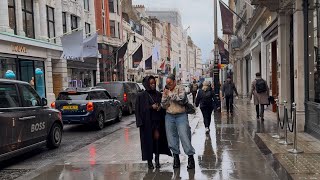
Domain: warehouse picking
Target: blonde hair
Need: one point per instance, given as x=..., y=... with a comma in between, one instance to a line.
x=206, y=85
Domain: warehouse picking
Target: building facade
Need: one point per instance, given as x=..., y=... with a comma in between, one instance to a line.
x=31, y=47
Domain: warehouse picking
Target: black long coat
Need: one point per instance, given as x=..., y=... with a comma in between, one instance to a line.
x=148, y=120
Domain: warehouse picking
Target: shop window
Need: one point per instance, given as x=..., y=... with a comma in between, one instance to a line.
x=12, y=15
x=39, y=78
x=64, y=22
x=112, y=29
x=111, y=6
x=8, y=68
x=51, y=23
x=27, y=18
x=74, y=22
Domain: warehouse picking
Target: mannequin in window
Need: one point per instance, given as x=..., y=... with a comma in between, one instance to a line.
x=32, y=82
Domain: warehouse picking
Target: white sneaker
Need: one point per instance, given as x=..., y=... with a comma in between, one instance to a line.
x=207, y=130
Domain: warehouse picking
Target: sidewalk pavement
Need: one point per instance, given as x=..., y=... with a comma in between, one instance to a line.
x=228, y=152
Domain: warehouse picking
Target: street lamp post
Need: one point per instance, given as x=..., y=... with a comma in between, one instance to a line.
x=216, y=78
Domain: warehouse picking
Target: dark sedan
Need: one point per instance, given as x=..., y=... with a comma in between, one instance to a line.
x=88, y=106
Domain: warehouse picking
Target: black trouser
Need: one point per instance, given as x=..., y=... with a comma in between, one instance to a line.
x=261, y=112
x=194, y=96
x=206, y=113
x=229, y=103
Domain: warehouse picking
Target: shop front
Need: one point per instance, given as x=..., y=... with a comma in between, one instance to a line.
x=312, y=124
x=82, y=74
x=25, y=63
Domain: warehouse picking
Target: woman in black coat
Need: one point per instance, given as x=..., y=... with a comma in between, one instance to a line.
x=205, y=100
x=150, y=119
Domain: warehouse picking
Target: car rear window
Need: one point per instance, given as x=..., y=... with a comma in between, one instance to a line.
x=113, y=88
x=73, y=96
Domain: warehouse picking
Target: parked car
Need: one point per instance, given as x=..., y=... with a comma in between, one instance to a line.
x=126, y=93
x=26, y=122
x=92, y=106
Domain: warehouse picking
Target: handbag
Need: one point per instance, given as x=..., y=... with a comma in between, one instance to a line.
x=190, y=109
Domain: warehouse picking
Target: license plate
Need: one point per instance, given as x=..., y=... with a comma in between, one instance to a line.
x=70, y=107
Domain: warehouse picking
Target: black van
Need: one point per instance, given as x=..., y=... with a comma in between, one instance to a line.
x=125, y=92
x=26, y=122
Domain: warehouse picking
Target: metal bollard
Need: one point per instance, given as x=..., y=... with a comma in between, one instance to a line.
x=285, y=141
x=294, y=118
x=278, y=135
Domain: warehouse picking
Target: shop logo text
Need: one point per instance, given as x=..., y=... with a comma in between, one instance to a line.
x=19, y=49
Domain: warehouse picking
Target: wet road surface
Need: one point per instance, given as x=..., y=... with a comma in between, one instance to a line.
x=228, y=152
x=74, y=138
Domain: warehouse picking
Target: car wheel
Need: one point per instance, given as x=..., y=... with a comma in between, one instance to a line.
x=130, y=109
x=100, y=121
x=118, y=119
x=55, y=136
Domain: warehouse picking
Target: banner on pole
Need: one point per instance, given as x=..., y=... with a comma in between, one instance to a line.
x=148, y=63
x=72, y=45
x=90, y=46
x=137, y=57
x=227, y=19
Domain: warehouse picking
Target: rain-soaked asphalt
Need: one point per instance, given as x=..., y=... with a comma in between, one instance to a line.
x=228, y=152
x=74, y=138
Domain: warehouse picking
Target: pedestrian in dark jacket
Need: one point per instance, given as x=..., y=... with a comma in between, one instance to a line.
x=260, y=91
x=205, y=100
x=194, y=89
x=228, y=91
x=150, y=119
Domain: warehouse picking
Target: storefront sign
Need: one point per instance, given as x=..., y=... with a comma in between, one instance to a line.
x=19, y=49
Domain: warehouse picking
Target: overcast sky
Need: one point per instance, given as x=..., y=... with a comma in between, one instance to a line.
x=198, y=14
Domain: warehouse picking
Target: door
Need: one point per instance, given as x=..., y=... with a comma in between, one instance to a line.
x=34, y=118
x=100, y=104
x=110, y=105
x=9, y=113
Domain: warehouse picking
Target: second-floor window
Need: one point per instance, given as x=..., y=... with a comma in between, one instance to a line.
x=112, y=29
x=86, y=4
x=111, y=6
x=64, y=22
x=74, y=22
x=87, y=28
x=27, y=17
x=12, y=15
x=50, y=22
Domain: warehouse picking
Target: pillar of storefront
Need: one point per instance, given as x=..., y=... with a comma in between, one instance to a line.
x=98, y=72
x=264, y=62
x=43, y=19
x=299, y=86
x=37, y=25
x=284, y=58
x=59, y=75
x=58, y=20
x=49, y=82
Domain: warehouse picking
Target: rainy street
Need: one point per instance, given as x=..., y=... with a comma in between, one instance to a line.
x=227, y=152
x=74, y=138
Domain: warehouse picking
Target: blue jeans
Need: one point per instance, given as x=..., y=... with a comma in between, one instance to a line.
x=177, y=127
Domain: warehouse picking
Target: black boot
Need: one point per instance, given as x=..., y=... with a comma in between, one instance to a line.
x=176, y=161
x=157, y=161
x=150, y=165
x=191, y=163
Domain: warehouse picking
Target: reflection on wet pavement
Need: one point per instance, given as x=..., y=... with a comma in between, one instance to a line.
x=228, y=152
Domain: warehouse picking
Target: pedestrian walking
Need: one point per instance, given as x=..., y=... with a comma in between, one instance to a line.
x=260, y=91
x=228, y=91
x=150, y=119
x=205, y=100
x=194, y=89
x=177, y=125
